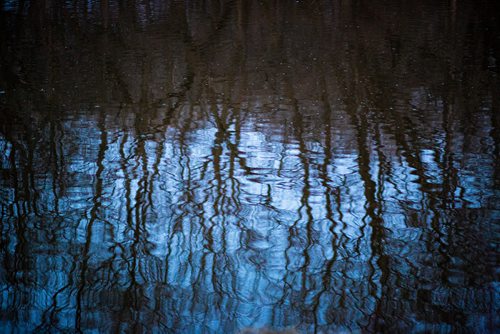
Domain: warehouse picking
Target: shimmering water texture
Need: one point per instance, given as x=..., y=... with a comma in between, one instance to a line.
x=215, y=166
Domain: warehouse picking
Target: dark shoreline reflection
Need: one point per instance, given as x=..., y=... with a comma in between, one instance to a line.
x=209, y=166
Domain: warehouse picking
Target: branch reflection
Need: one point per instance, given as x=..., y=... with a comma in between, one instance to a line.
x=211, y=166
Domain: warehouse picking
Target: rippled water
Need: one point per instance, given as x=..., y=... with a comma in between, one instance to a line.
x=211, y=166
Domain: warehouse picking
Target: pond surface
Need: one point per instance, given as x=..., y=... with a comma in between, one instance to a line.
x=211, y=166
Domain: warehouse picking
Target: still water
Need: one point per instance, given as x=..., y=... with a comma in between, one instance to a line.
x=214, y=166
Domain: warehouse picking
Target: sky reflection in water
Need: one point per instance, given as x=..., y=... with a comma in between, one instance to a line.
x=206, y=167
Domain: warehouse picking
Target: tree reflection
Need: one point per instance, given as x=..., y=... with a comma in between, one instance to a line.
x=211, y=166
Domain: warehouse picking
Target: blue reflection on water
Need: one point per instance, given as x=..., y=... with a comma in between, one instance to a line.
x=254, y=177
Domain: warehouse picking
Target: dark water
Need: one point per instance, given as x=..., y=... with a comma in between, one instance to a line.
x=208, y=166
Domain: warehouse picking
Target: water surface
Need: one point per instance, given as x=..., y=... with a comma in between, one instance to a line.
x=208, y=166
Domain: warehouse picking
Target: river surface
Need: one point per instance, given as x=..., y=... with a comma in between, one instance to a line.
x=215, y=166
